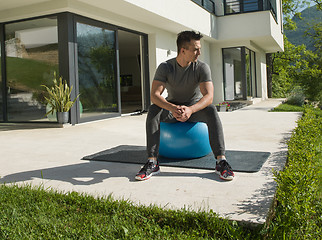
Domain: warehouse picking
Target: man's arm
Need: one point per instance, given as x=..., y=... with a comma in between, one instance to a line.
x=156, y=98
x=207, y=90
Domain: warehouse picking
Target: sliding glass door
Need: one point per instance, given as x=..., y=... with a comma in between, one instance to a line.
x=232, y=73
x=97, y=71
x=239, y=73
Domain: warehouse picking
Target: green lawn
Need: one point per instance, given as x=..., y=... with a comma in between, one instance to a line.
x=36, y=213
x=31, y=75
x=293, y=108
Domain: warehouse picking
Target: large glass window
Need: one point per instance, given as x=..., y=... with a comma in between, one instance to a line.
x=209, y=5
x=250, y=5
x=31, y=60
x=213, y=6
x=240, y=6
x=239, y=73
x=232, y=6
x=1, y=85
x=223, y=7
x=232, y=73
x=96, y=71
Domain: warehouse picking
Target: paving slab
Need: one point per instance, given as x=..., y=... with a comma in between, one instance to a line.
x=35, y=155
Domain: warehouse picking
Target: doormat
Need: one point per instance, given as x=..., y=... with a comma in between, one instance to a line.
x=240, y=161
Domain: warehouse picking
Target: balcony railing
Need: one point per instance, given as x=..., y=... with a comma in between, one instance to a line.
x=227, y=7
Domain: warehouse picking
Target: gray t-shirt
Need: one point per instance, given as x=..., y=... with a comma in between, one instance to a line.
x=181, y=83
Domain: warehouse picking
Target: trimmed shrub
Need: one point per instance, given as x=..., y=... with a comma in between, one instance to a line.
x=297, y=210
x=296, y=97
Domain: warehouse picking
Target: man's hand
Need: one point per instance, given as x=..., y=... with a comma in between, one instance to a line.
x=176, y=111
x=185, y=113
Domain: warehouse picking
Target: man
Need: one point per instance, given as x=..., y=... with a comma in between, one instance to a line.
x=190, y=95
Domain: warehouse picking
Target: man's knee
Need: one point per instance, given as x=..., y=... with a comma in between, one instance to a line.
x=153, y=110
x=211, y=110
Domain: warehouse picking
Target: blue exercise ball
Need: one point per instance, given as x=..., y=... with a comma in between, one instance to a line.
x=184, y=140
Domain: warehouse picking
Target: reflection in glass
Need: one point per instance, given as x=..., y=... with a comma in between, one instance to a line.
x=209, y=5
x=232, y=73
x=96, y=70
x=251, y=5
x=232, y=6
x=31, y=59
x=250, y=73
x=219, y=7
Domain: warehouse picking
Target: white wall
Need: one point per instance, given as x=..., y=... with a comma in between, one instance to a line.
x=183, y=12
x=217, y=72
x=205, y=51
x=261, y=75
x=162, y=46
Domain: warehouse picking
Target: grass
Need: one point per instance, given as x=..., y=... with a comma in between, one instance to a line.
x=288, y=108
x=36, y=213
x=285, y=107
x=31, y=75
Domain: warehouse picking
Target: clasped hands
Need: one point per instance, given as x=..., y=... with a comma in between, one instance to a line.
x=181, y=113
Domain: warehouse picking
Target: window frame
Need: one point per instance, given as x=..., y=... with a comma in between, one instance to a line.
x=253, y=88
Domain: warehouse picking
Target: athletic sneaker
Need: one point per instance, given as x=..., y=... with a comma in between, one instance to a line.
x=148, y=170
x=223, y=169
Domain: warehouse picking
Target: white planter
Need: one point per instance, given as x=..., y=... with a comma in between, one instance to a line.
x=221, y=108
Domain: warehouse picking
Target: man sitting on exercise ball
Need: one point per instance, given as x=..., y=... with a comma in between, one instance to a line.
x=190, y=94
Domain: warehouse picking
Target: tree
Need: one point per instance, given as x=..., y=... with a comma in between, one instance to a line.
x=311, y=71
x=284, y=66
x=290, y=9
x=318, y=4
x=297, y=66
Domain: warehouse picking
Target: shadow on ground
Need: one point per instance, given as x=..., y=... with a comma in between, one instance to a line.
x=92, y=173
x=264, y=196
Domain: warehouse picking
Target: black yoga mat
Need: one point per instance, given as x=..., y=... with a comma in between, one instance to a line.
x=240, y=161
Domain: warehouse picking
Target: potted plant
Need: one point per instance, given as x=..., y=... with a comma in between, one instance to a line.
x=59, y=99
x=223, y=106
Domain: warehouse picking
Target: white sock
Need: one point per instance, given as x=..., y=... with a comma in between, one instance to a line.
x=220, y=159
x=154, y=161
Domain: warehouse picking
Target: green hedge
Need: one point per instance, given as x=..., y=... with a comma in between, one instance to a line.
x=297, y=209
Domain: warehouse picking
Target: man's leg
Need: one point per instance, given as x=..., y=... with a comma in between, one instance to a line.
x=154, y=117
x=210, y=116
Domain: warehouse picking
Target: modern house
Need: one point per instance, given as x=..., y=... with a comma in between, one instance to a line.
x=108, y=50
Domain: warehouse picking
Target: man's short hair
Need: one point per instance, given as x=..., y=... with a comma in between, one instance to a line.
x=185, y=37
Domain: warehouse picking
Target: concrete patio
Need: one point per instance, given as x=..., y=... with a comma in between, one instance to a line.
x=52, y=157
